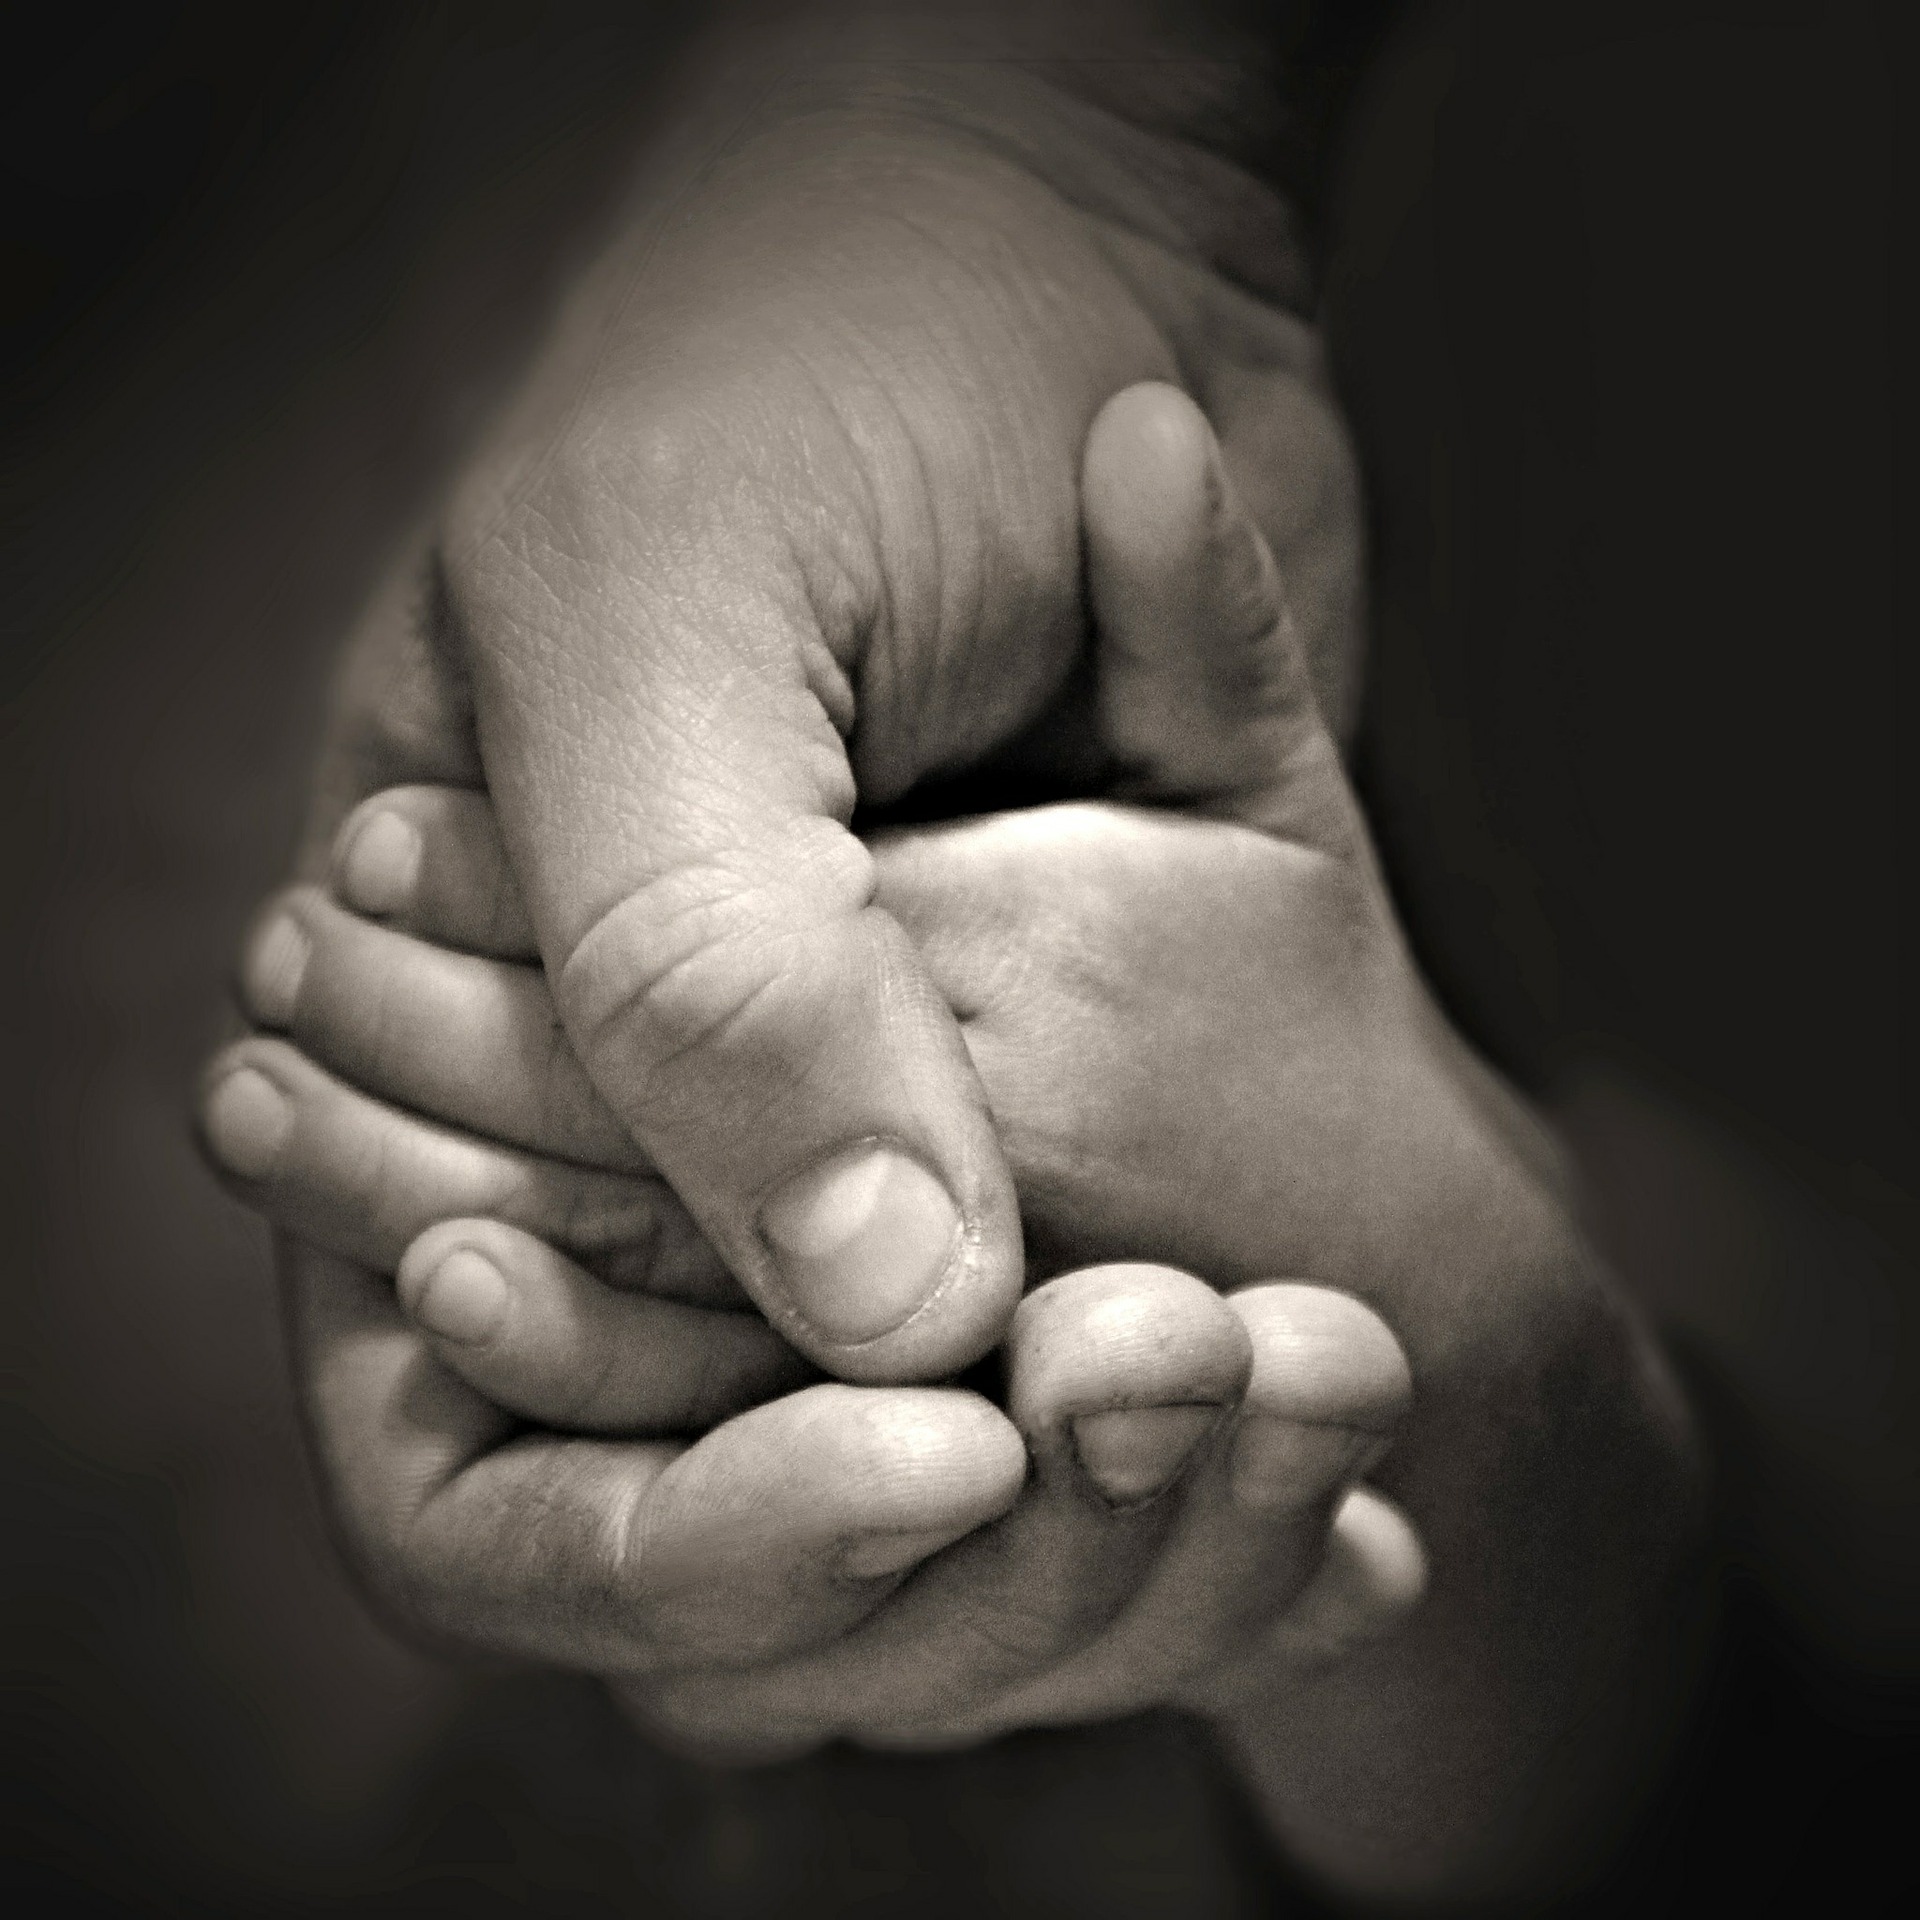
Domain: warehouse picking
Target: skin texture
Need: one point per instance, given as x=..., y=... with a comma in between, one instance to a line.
x=787, y=517
x=1092, y=1596
x=1234, y=963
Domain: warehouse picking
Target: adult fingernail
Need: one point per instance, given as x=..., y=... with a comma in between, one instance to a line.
x=1132, y=1453
x=275, y=964
x=380, y=863
x=890, y=1553
x=862, y=1241
x=248, y=1119
x=464, y=1298
x=1282, y=1464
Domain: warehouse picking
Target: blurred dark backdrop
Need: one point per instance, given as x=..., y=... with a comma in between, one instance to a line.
x=1611, y=308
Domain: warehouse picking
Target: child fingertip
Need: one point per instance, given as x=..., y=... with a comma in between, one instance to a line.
x=462, y=1297
x=274, y=967
x=377, y=865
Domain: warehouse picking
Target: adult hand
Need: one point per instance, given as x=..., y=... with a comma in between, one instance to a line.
x=788, y=515
x=1205, y=1036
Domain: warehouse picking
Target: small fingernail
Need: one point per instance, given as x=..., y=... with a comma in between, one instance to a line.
x=862, y=1241
x=1132, y=1453
x=890, y=1553
x=1281, y=1464
x=275, y=964
x=248, y=1119
x=463, y=1300
x=380, y=864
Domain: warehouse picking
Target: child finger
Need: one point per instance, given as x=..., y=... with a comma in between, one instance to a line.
x=429, y=861
x=1330, y=1387
x=624, y=1558
x=473, y=1042
x=1120, y=1377
x=364, y=1179
x=1263, y=1550
x=1258, y=1522
x=1372, y=1578
x=542, y=1336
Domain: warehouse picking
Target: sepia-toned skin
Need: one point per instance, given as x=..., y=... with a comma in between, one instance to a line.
x=1103, y=1604
x=796, y=491
x=791, y=511
x=1162, y=1006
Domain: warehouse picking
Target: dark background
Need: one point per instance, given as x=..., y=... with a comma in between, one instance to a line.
x=1610, y=304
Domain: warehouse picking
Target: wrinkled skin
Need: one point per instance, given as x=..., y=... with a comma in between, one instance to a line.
x=1065, y=1608
x=787, y=516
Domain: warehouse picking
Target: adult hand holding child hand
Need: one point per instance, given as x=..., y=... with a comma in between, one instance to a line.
x=789, y=515
x=1064, y=937
x=1198, y=1037
x=799, y=519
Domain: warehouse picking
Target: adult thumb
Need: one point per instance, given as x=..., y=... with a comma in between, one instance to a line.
x=662, y=724
x=1205, y=693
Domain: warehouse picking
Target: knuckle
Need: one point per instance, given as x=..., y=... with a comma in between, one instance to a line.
x=687, y=965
